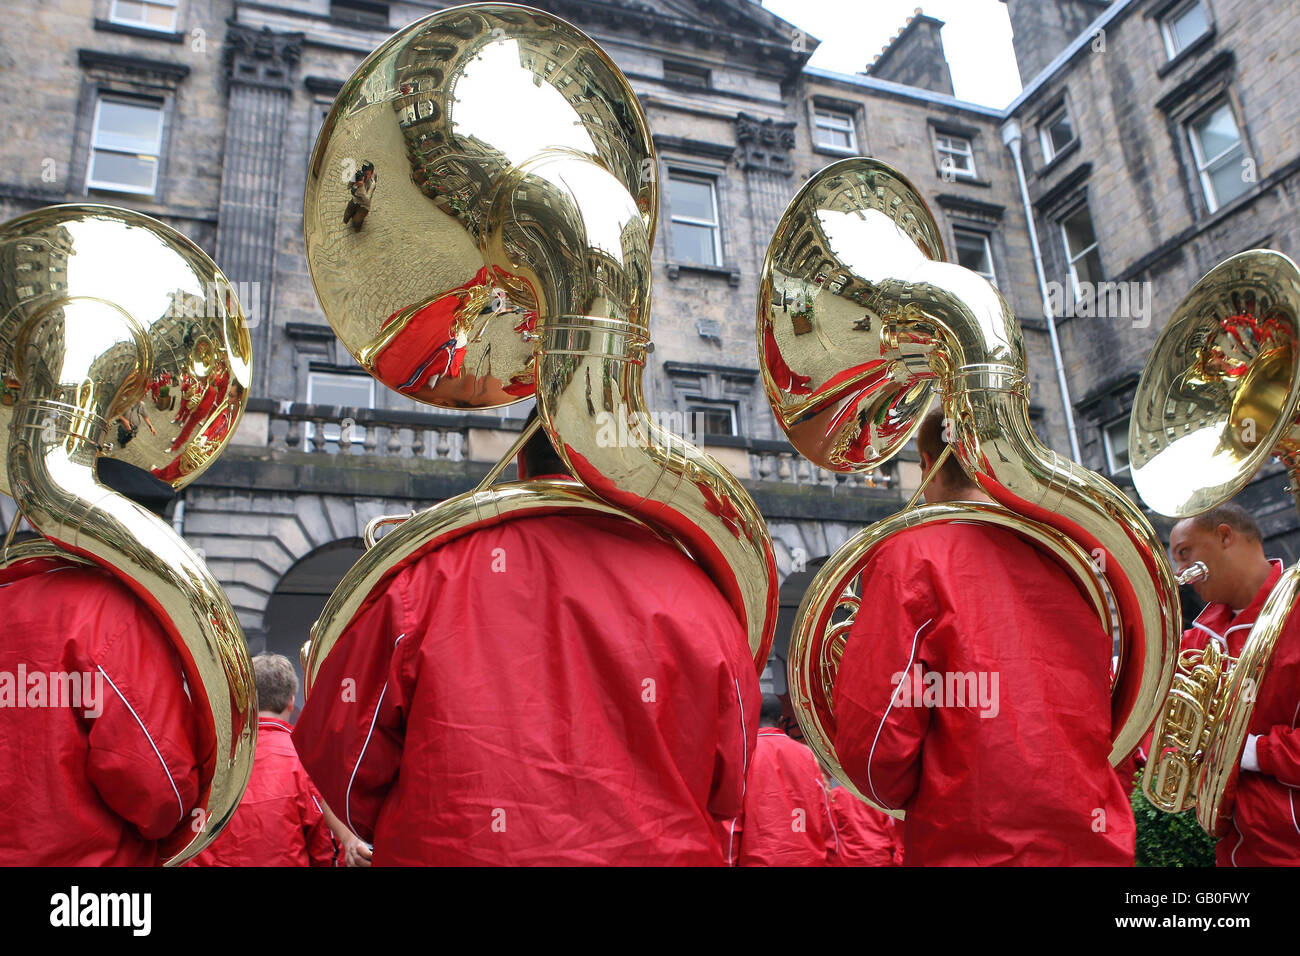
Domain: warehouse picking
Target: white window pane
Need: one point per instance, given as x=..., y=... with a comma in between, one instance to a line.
x=692, y=199
x=1117, y=445
x=1189, y=25
x=123, y=169
x=1060, y=133
x=157, y=14
x=1078, y=232
x=1227, y=176
x=694, y=244
x=350, y=390
x=127, y=127
x=1087, y=268
x=1217, y=133
x=834, y=138
x=973, y=253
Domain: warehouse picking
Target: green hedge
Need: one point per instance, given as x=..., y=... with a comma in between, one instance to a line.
x=1168, y=839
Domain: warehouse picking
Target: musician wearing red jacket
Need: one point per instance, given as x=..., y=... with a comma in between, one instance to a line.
x=551, y=690
x=787, y=814
x=280, y=820
x=1265, y=831
x=98, y=739
x=980, y=701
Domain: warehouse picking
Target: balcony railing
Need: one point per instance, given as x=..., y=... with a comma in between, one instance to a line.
x=473, y=437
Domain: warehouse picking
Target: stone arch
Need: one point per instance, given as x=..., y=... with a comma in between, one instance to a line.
x=298, y=597
x=251, y=539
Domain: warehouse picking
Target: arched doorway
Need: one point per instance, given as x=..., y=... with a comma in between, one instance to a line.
x=298, y=598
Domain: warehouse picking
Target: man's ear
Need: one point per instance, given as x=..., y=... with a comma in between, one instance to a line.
x=926, y=462
x=1227, y=535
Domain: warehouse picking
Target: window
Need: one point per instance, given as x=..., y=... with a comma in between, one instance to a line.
x=333, y=388
x=681, y=74
x=125, y=145
x=956, y=158
x=695, y=233
x=1115, y=438
x=1183, y=25
x=150, y=14
x=832, y=130
x=1081, y=249
x=974, y=253
x=361, y=12
x=1056, y=132
x=1219, y=153
x=711, y=418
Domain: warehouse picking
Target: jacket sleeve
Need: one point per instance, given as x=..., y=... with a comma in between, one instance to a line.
x=321, y=848
x=739, y=701
x=143, y=757
x=349, y=735
x=880, y=726
x=1278, y=753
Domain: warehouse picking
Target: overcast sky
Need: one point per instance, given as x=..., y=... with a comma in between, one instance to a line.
x=976, y=38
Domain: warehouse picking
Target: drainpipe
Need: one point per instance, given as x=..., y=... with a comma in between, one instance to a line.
x=1011, y=137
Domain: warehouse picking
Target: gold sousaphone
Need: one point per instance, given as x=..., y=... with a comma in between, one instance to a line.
x=512, y=195
x=1218, y=396
x=120, y=338
x=860, y=325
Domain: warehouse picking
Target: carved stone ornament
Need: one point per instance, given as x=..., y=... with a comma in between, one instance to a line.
x=764, y=144
x=260, y=57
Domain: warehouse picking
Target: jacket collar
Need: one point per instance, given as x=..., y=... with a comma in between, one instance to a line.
x=273, y=723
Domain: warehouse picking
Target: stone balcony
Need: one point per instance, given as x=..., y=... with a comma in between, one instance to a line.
x=377, y=453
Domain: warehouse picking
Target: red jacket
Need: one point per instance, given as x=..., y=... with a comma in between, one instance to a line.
x=974, y=692
x=863, y=835
x=1265, y=814
x=279, y=821
x=555, y=690
x=787, y=814
x=99, y=775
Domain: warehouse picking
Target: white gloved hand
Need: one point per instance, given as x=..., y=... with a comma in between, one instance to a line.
x=1249, y=761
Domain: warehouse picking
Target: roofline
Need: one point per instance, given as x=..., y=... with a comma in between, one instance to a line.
x=908, y=92
x=1114, y=11
x=1083, y=39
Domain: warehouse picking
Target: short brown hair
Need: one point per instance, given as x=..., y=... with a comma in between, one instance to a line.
x=1234, y=516
x=276, y=680
x=930, y=439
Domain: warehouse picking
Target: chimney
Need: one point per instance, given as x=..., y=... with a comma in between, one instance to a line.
x=1041, y=29
x=914, y=57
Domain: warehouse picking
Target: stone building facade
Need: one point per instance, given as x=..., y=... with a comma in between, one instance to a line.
x=203, y=114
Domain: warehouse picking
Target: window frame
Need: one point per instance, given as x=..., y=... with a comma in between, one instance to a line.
x=715, y=405
x=1166, y=27
x=160, y=107
x=964, y=231
x=849, y=126
x=1070, y=260
x=114, y=17
x=676, y=217
x=1058, y=112
x=1108, y=448
x=1212, y=202
x=358, y=434
x=969, y=153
